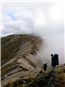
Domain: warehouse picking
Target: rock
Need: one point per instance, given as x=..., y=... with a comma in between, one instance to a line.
x=18, y=58
x=38, y=78
x=20, y=68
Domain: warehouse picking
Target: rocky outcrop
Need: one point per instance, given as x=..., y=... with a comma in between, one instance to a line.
x=40, y=78
x=20, y=68
x=18, y=56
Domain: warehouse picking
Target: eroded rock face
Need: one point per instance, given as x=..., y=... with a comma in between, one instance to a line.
x=40, y=78
x=18, y=58
x=20, y=68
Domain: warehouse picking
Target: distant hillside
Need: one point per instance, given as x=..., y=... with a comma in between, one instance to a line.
x=13, y=45
x=18, y=55
x=21, y=68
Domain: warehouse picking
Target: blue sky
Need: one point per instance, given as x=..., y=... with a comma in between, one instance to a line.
x=11, y=15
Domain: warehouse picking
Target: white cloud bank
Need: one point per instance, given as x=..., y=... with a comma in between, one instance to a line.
x=32, y=17
x=42, y=18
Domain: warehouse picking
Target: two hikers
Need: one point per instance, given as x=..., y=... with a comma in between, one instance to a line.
x=54, y=60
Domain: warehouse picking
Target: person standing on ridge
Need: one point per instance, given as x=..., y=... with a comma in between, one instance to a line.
x=54, y=60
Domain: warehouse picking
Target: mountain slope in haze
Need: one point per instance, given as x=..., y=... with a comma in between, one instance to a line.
x=21, y=68
x=18, y=55
x=13, y=44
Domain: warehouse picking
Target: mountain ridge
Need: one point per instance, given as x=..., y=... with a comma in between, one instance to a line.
x=18, y=55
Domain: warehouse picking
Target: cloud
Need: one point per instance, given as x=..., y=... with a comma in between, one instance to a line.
x=45, y=19
x=32, y=17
